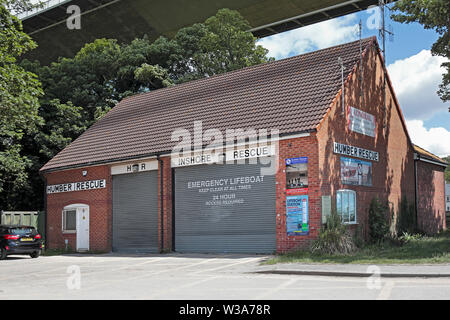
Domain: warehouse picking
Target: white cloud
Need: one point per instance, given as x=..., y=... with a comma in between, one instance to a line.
x=416, y=80
x=434, y=140
x=314, y=37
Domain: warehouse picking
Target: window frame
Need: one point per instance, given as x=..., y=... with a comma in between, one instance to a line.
x=347, y=192
x=64, y=219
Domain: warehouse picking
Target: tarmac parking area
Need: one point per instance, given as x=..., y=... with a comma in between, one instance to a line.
x=191, y=277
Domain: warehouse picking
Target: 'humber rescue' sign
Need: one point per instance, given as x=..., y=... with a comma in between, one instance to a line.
x=76, y=186
x=344, y=149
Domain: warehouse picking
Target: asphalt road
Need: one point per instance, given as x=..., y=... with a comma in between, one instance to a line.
x=189, y=276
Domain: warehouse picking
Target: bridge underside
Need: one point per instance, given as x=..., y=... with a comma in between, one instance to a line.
x=125, y=20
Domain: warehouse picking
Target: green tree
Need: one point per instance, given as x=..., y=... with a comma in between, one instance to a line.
x=221, y=44
x=19, y=6
x=227, y=44
x=82, y=89
x=432, y=14
x=19, y=104
x=447, y=170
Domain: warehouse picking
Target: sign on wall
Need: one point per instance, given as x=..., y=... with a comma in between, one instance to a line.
x=356, y=172
x=326, y=208
x=250, y=153
x=76, y=186
x=296, y=176
x=134, y=167
x=206, y=157
x=357, y=152
x=297, y=215
x=361, y=122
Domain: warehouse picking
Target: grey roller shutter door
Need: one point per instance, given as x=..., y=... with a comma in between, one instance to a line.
x=135, y=212
x=244, y=222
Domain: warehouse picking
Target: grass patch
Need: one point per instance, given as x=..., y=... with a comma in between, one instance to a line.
x=425, y=250
x=55, y=252
x=59, y=252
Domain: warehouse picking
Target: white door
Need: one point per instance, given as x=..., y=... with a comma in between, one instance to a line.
x=83, y=228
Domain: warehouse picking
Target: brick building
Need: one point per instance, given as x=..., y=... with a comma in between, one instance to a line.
x=302, y=136
x=430, y=184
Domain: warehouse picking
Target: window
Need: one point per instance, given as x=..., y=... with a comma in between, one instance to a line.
x=346, y=205
x=70, y=220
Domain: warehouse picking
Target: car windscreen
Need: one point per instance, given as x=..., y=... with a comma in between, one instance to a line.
x=21, y=231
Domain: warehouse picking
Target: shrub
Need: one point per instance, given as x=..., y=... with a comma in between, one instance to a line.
x=407, y=237
x=406, y=217
x=358, y=237
x=333, y=239
x=378, y=221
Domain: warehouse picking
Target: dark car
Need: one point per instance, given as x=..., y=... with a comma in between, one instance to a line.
x=19, y=240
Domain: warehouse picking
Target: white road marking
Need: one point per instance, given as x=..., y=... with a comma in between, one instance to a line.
x=248, y=260
x=272, y=292
x=177, y=288
x=385, y=292
x=146, y=275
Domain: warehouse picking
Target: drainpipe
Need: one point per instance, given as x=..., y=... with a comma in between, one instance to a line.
x=45, y=213
x=341, y=63
x=173, y=209
x=415, y=189
x=161, y=199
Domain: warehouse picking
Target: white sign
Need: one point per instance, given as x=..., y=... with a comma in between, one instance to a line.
x=249, y=153
x=76, y=186
x=361, y=122
x=134, y=167
x=230, y=155
x=196, y=159
x=357, y=152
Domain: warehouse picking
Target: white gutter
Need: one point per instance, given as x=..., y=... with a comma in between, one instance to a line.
x=417, y=157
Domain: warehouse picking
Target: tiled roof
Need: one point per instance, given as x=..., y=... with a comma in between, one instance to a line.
x=291, y=95
x=428, y=155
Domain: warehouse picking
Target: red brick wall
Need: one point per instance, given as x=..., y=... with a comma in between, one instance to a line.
x=100, y=206
x=430, y=197
x=393, y=174
x=294, y=148
x=99, y=202
x=167, y=204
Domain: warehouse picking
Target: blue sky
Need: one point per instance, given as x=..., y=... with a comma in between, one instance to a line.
x=415, y=73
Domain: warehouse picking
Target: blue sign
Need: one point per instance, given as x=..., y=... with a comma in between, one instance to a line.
x=292, y=161
x=297, y=217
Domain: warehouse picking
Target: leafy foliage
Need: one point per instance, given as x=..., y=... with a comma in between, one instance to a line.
x=19, y=6
x=378, y=221
x=447, y=170
x=227, y=45
x=82, y=89
x=406, y=217
x=408, y=237
x=19, y=104
x=432, y=14
x=334, y=238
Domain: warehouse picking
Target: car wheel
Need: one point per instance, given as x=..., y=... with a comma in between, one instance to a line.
x=35, y=254
x=3, y=254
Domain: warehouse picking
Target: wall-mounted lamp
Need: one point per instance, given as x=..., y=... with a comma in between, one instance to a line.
x=84, y=173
